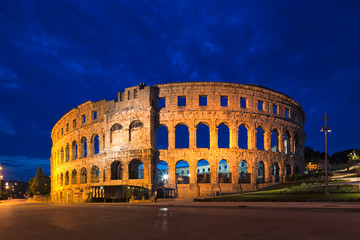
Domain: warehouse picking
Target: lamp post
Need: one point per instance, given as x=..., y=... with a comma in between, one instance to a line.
x=326, y=129
x=165, y=178
x=1, y=177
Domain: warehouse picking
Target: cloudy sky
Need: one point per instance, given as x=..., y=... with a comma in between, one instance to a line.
x=55, y=55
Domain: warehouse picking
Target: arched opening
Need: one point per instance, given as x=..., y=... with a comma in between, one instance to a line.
x=223, y=136
x=203, y=171
x=74, y=177
x=296, y=144
x=134, y=130
x=274, y=140
x=243, y=137
x=224, y=175
x=84, y=145
x=136, y=169
x=115, y=132
x=244, y=176
x=95, y=172
x=61, y=179
x=287, y=142
x=287, y=171
x=259, y=138
x=261, y=172
x=67, y=178
x=67, y=153
x=181, y=136
x=74, y=150
x=162, y=173
x=182, y=174
x=162, y=137
x=202, y=136
x=83, y=175
x=116, y=170
x=62, y=154
x=276, y=172
x=96, y=144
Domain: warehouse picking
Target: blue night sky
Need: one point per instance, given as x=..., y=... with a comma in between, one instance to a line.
x=55, y=55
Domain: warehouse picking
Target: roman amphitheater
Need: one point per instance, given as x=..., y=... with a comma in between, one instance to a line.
x=181, y=140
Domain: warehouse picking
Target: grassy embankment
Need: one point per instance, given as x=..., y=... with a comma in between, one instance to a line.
x=295, y=192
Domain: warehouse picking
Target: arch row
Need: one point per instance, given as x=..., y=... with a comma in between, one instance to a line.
x=85, y=146
x=224, y=135
x=181, y=171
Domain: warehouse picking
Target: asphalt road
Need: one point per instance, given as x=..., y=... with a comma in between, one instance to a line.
x=22, y=220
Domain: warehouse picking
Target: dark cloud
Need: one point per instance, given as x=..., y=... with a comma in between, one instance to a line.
x=22, y=168
x=56, y=56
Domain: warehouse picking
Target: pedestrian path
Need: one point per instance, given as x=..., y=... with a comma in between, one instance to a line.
x=299, y=205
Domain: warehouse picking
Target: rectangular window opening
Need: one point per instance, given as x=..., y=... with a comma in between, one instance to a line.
x=62, y=131
x=275, y=109
x=286, y=113
x=161, y=103
x=243, y=102
x=224, y=101
x=74, y=123
x=83, y=117
x=135, y=93
x=202, y=100
x=181, y=101
x=260, y=105
x=67, y=127
x=94, y=115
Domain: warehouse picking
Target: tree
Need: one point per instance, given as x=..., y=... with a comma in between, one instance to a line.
x=353, y=158
x=312, y=156
x=342, y=157
x=40, y=184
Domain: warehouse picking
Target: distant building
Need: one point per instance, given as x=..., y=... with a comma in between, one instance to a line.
x=16, y=189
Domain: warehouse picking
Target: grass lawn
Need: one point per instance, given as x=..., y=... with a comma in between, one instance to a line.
x=295, y=192
x=294, y=184
x=352, y=176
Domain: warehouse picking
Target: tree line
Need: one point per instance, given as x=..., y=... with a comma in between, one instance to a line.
x=348, y=156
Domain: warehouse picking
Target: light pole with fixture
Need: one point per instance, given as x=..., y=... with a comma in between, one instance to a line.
x=1, y=177
x=164, y=180
x=326, y=129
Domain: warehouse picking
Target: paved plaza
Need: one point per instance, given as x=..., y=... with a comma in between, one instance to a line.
x=181, y=220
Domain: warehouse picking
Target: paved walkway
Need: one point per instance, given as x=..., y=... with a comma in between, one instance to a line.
x=190, y=203
x=299, y=205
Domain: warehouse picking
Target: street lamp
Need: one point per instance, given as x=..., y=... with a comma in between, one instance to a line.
x=164, y=179
x=1, y=178
x=326, y=129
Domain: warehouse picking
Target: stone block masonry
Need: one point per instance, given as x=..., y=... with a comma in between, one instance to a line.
x=108, y=149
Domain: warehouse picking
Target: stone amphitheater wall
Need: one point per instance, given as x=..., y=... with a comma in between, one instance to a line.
x=125, y=131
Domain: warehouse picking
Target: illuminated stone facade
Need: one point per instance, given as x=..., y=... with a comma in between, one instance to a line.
x=108, y=149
